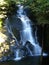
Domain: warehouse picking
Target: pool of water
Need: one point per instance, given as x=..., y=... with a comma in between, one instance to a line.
x=27, y=61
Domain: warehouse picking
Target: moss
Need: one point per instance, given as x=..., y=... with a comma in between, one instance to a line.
x=1, y=23
x=40, y=9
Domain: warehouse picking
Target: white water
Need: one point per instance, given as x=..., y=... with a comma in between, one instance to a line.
x=17, y=55
x=26, y=35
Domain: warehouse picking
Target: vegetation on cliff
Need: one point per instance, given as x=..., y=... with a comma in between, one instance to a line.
x=38, y=8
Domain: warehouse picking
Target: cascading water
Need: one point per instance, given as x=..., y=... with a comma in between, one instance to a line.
x=26, y=35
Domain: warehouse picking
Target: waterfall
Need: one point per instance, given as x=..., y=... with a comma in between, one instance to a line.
x=26, y=35
x=27, y=31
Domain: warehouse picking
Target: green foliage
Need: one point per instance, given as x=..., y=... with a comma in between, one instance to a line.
x=40, y=8
x=0, y=23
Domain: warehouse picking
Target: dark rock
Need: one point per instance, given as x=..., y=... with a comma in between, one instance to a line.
x=43, y=35
x=30, y=14
x=15, y=22
x=16, y=26
x=29, y=47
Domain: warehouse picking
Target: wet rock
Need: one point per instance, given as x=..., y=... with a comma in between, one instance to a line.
x=30, y=47
x=27, y=48
x=15, y=22
x=30, y=14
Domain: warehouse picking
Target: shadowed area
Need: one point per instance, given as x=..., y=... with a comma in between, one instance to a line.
x=27, y=61
x=24, y=61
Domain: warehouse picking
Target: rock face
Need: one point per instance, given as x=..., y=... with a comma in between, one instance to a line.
x=15, y=22
x=16, y=25
x=27, y=49
x=30, y=14
x=43, y=34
